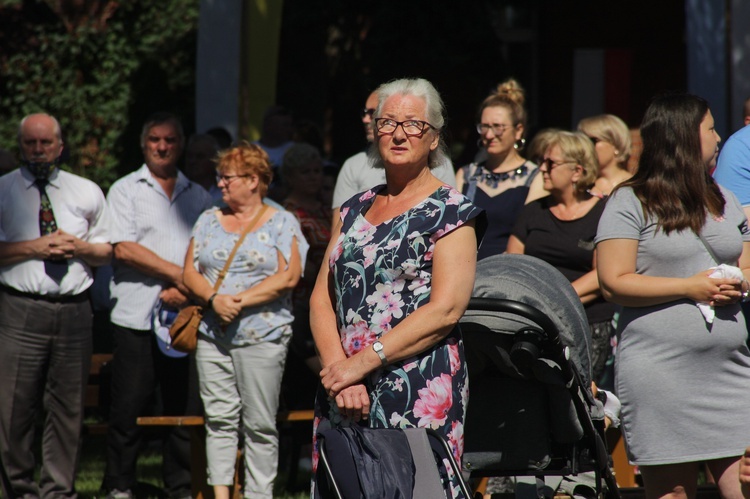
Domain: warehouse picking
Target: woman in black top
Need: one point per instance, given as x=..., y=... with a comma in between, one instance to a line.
x=560, y=230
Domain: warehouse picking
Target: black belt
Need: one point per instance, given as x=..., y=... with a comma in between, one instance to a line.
x=79, y=298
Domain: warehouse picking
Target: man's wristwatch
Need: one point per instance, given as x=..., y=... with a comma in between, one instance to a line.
x=378, y=347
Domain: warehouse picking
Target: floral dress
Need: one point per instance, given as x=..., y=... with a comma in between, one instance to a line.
x=381, y=274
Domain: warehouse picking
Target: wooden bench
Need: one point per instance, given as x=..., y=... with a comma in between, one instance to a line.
x=200, y=487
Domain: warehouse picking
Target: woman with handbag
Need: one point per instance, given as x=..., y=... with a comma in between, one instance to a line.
x=683, y=366
x=243, y=262
x=399, y=274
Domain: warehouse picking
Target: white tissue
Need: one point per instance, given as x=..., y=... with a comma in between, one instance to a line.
x=723, y=271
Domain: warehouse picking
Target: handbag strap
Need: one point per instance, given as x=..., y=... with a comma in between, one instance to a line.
x=245, y=232
x=709, y=248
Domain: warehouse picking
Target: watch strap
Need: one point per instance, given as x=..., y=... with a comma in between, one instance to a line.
x=379, y=350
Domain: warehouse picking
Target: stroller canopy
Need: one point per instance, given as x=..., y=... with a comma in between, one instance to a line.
x=529, y=280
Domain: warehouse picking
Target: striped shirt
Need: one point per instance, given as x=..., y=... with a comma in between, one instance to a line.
x=141, y=212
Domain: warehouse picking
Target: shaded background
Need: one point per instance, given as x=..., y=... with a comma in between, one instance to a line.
x=102, y=66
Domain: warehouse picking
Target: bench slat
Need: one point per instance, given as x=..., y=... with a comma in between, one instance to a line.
x=290, y=416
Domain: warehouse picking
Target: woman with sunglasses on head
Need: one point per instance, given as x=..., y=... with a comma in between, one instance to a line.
x=399, y=275
x=504, y=181
x=683, y=365
x=612, y=142
x=560, y=229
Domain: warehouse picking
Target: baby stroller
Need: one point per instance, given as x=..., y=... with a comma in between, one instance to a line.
x=531, y=409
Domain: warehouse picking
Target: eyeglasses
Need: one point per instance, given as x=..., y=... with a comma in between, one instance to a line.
x=410, y=127
x=228, y=178
x=498, y=130
x=368, y=111
x=550, y=165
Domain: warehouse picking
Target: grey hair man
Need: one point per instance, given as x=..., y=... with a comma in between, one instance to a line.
x=153, y=211
x=53, y=231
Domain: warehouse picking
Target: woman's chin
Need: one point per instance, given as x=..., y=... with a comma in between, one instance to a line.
x=496, y=150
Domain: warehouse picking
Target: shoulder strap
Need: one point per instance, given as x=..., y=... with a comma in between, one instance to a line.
x=709, y=248
x=470, y=178
x=245, y=232
x=531, y=176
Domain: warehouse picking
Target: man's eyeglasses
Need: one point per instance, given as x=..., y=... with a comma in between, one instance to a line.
x=410, y=127
x=368, y=111
x=550, y=165
x=228, y=178
x=483, y=128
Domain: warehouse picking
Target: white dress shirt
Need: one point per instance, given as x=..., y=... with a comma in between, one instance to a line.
x=80, y=210
x=142, y=213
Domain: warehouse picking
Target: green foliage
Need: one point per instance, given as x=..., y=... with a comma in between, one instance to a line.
x=89, y=69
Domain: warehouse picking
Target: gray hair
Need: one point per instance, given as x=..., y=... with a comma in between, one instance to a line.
x=434, y=109
x=162, y=118
x=58, y=130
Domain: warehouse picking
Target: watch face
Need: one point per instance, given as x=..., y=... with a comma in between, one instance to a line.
x=377, y=346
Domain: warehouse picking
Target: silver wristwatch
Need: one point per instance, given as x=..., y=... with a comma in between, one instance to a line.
x=378, y=348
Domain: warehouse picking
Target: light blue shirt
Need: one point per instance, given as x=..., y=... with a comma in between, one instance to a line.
x=733, y=168
x=256, y=259
x=142, y=213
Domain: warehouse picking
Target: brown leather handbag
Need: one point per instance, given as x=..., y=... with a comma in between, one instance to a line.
x=184, y=329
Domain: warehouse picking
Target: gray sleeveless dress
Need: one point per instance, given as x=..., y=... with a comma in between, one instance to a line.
x=684, y=384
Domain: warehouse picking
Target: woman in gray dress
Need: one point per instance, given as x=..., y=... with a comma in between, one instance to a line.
x=682, y=376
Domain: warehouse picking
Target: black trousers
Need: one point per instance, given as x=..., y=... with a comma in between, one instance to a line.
x=45, y=353
x=139, y=370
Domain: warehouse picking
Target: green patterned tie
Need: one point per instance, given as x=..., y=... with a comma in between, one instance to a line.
x=56, y=269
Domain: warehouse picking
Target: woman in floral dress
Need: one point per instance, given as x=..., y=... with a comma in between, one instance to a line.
x=400, y=273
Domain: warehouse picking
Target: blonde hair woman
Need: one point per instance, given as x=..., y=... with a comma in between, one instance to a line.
x=612, y=142
x=561, y=227
x=504, y=181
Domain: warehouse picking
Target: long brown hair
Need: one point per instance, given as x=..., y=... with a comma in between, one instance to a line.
x=673, y=183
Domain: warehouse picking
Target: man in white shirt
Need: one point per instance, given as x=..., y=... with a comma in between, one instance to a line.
x=357, y=173
x=153, y=211
x=53, y=230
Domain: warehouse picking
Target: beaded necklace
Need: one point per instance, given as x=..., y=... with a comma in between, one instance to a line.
x=493, y=179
